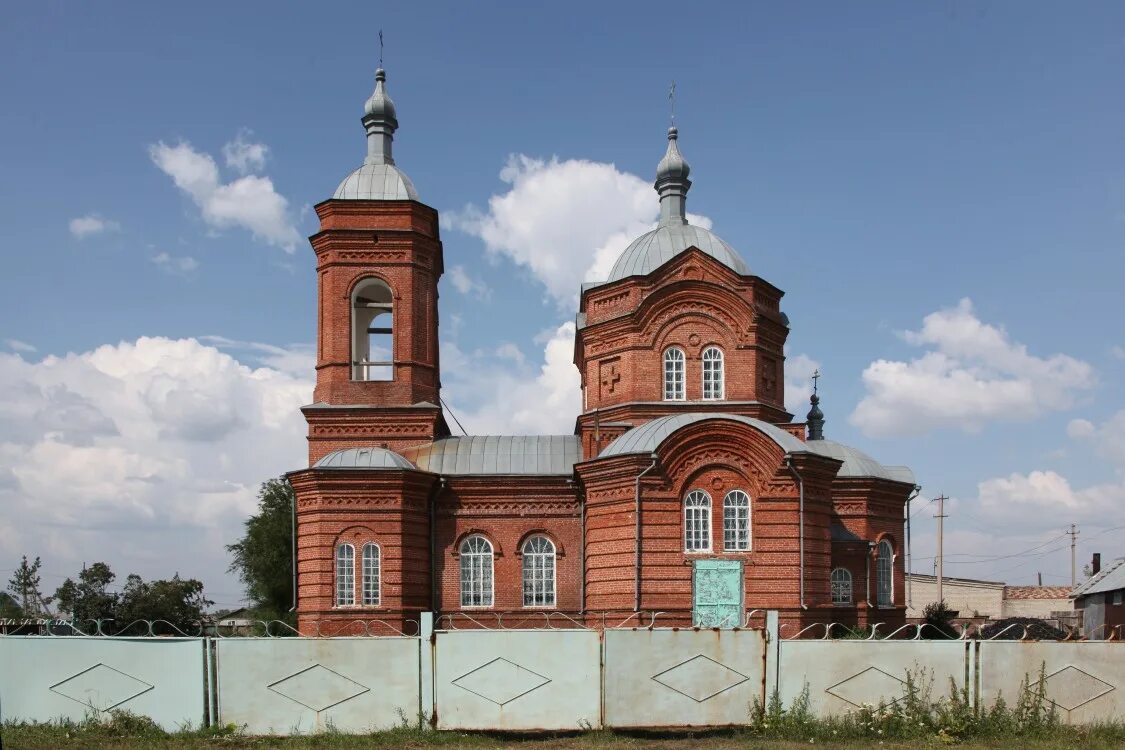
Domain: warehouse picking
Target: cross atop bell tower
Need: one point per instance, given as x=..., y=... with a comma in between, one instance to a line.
x=379, y=259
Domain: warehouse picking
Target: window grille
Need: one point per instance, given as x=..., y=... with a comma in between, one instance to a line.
x=736, y=521
x=371, y=562
x=884, y=575
x=697, y=522
x=476, y=572
x=673, y=375
x=538, y=572
x=713, y=373
x=345, y=575
x=841, y=587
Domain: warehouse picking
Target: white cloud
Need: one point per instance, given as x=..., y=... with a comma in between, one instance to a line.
x=1107, y=439
x=466, y=284
x=179, y=265
x=249, y=202
x=798, y=382
x=91, y=224
x=1117, y=351
x=245, y=156
x=19, y=346
x=973, y=374
x=1044, y=495
x=145, y=454
x=565, y=221
x=497, y=391
x=1080, y=428
x=298, y=360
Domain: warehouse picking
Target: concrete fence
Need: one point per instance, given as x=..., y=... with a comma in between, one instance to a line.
x=528, y=679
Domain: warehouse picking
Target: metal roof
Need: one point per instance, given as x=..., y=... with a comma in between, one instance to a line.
x=859, y=464
x=653, y=249
x=499, y=454
x=1110, y=578
x=363, y=458
x=376, y=182
x=647, y=437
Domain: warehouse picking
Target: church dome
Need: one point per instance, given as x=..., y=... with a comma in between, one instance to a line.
x=378, y=179
x=653, y=249
x=363, y=458
x=673, y=234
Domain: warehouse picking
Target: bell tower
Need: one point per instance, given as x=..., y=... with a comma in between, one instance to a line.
x=379, y=259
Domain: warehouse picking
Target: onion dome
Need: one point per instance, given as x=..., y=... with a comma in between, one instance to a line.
x=378, y=179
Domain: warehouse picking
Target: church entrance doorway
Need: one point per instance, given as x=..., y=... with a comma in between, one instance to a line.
x=716, y=593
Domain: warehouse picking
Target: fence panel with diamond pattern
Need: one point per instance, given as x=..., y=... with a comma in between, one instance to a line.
x=517, y=679
x=1085, y=680
x=302, y=685
x=842, y=675
x=681, y=678
x=51, y=679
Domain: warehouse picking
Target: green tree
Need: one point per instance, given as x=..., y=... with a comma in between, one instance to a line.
x=24, y=584
x=9, y=608
x=939, y=617
x=179, y=601
x=89, y=597
x=263, y=557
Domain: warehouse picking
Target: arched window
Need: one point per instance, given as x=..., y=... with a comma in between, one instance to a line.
x=736, y=521
x=371, y=561
x=841, y=580
x=697, y=522
x=476, y=572
x=345, y=575
x=885, y=575
x=673, y=375
x=372, y=332
x=538, y=572
x=713, y=373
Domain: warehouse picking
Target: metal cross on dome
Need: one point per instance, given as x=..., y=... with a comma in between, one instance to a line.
x=815, y=377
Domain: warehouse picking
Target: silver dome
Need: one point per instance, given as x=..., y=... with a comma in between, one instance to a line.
x=376, y=182
x=652, y=250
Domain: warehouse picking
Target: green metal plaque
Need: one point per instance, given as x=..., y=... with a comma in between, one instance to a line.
x=717, y=593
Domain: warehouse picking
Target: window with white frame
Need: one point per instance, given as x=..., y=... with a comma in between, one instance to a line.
x=372, y=331
x=1118, y=597
x=713, y=373
x=841, y=580
x=538, y=572
x=345, y=575
x=884, y=574
x=673, y=375
x=476, y=572
x=371, y=561
x=697, y=522
x=736, y=521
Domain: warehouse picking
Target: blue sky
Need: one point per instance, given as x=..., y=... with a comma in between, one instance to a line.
x=880, y=162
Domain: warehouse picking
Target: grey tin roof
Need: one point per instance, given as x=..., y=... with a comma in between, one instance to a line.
x=499, y=454
x=363, y=458
x=859, y=464
x=376, y=182
x=1110, y=578
x=647, y=437
x=653, y=249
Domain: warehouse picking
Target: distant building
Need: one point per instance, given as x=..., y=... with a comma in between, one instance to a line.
x=990, y=600
x=1101, y=599
x=1043, y=602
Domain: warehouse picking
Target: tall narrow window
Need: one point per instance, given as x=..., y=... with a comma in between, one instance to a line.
x=372, y=332
x=841, y=580
x=736, y=521
x=697, y=522
x=884, y=575
x=345, y=575
x=538, y=572
x=371, y=563
x=673, y=375
x=713, y=373
x=476, y=572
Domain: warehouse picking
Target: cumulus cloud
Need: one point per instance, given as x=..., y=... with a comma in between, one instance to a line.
x=467, y=284
x=249, y=202
x=798, y=381
x=90, y=224
x=1106, y=439
x=20, y=346
x=497, y=391
x=244, y=155
x=177, y=265
x=972, y=374
x=1047, y=494
x=565, y=221
x=146, y=454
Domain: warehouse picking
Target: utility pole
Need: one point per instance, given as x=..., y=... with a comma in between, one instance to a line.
x=1073, y=573
x=940, y=560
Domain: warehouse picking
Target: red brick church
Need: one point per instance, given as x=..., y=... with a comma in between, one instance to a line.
x=686, y=487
